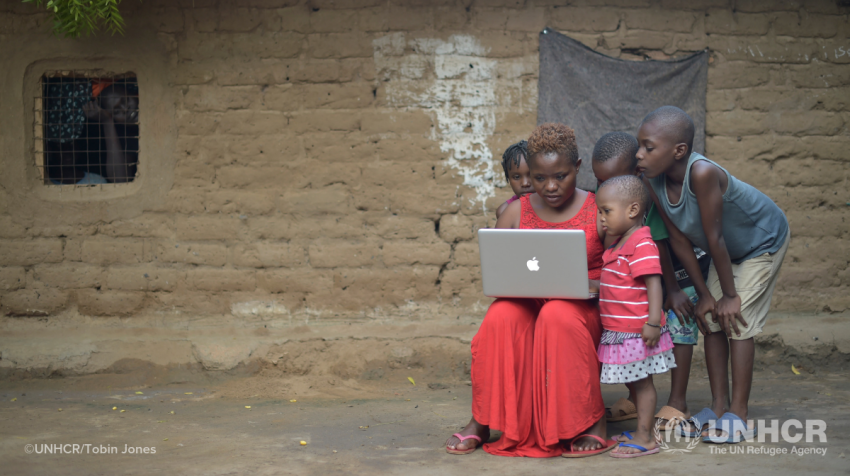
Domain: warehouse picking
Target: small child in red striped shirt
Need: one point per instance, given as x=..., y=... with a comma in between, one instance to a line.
x=635, y=343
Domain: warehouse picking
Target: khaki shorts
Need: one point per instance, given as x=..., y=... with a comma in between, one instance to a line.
x=755, y=280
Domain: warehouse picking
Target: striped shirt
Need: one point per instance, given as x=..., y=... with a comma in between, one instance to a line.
x=623, y=300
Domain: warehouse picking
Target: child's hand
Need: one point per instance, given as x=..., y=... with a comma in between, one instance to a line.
x=681, y=305
x=594, y=286
x=728, y=310
x=650, y=335
x=705, y=305
x=94, y=112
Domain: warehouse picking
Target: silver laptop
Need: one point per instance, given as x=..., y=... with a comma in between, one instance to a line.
x=534, y=263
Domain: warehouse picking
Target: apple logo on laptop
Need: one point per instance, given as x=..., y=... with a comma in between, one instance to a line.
x=532, y=264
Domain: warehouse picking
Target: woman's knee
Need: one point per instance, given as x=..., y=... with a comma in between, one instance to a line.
x=567, y=315
x=509, y=311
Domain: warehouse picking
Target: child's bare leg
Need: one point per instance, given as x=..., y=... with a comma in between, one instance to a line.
x=472, y=428
x=679, y=377
x=631, y=386
x=646, y=400
x=743, y=354
x=717, y=360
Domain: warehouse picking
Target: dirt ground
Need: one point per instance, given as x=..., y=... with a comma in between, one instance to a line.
x=199, y=424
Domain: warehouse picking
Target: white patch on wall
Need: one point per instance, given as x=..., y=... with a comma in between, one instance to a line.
x=451, y=80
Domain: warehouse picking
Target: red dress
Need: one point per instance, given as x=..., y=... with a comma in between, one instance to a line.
x=535, y=373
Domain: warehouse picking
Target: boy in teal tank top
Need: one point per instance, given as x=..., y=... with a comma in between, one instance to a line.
x=614, y=155
x=746, y=235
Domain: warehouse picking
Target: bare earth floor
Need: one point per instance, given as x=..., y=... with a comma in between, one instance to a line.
x=388, y=427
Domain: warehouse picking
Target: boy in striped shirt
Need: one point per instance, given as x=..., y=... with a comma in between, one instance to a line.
x=635, y=342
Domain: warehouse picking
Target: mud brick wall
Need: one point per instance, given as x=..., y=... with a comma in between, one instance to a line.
x=335, y=158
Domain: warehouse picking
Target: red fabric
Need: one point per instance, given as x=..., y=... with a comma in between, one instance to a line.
x=585, y=220
x=623, y=299
x=535, y=374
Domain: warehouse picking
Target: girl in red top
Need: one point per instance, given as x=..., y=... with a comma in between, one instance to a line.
x=635, y=343
x=535, y=374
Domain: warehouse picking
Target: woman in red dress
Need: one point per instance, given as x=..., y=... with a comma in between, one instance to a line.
x=535, y=373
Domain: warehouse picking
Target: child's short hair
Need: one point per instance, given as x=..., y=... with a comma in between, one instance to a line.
x=676, y=122
x=629, y=188
x=616, y=145
x=553, y=137
x=513, y=155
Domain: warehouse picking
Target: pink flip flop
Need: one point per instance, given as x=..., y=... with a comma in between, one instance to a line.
x=462, y=438
x=607, y=445
x=643, y=451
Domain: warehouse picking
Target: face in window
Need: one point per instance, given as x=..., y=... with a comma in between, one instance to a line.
x=123, y=107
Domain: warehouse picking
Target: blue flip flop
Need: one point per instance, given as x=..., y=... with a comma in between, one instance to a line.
x=729, y=425
x=706, y=415
x=627, y=434
x=643, y=451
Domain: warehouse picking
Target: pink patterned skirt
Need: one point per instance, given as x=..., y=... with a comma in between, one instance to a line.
x=625, y=358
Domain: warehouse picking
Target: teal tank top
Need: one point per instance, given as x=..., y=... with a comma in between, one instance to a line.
x=752, y=223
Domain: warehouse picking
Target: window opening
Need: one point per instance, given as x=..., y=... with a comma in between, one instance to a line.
x=87, y=128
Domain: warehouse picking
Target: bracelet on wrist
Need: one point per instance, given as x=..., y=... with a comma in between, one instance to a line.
x=657, y=326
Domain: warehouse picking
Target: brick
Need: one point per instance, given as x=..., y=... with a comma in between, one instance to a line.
x=191, y=253
x=239, y=202
x=409, y=252
x=284, y=280
x=241, y=19
x=354, y=4
x=169, y=20
x=811, y=172
x=331, y=21
x=737, y=74
x=585, y=19
x=316, y=174
x=700, y=5
x=380, y=122
x=322, y=121
x=402, y=227
x=764, y=50
x=348, y=226
x=337, y=96
x=226, y=46
x=221, y=280
x=209, y=228
x=149, y=225
x=268, y=255
x=109, y=303
x=660, y=20
x=335, y=199
x=726, y=22
x=12, y=278
x=192, y=123
x=529, y=19
x=818, y=75
x=339, y=45
x=451, y=19
x=735, y=123
x=69, y=275
x=817, y=223
x=240, y=176
x=33, y=302
x=457, y=227
x=30, y=252
x=768, y=6
x=254, y=123
x=103, y=251
x=463, y=279
x=295, y=19
x=434, y=201
x=466, y=254
x=275, y=227
x=490, y=18
x=640, y=39
x=808, y=123
x=394, y=286
x=205, y=98
x=202, y=19
x=343, y=253
x=73, y=249
x=10, y=229
x=143, y=278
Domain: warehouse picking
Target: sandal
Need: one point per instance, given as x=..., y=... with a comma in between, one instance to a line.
x=643, y=451
x=463, y=438
x=670, y=418
x=732, y=428
x=622, y=410
x=705, y=416
x=607, y=445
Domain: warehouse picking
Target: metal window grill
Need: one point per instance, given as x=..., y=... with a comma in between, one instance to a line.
x=86, y=128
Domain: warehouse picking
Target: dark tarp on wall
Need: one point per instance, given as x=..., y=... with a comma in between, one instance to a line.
x=596, y=94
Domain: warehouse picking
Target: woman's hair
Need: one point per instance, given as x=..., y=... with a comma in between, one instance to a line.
x=553, y=137
x=513, y=155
